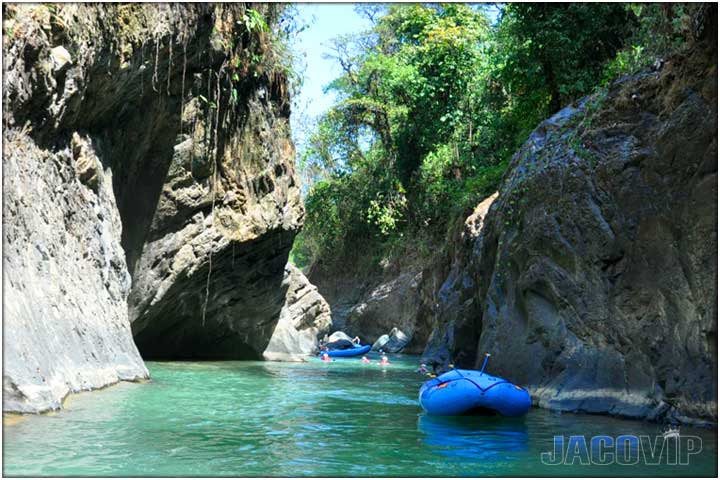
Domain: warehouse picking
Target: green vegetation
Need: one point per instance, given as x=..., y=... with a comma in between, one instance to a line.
x=434, y=100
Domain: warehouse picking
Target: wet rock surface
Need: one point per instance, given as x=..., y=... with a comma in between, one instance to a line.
x=393, y=342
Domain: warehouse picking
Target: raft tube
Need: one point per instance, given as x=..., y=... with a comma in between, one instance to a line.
x=460, y=392
x=348, y=352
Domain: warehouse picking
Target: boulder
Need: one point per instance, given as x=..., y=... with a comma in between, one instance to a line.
x=396, y=342
x=335, y=336
x=392, y=342
x=381, y=342
x=304, y=319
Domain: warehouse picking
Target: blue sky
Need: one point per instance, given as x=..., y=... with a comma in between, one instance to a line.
x=325, y=21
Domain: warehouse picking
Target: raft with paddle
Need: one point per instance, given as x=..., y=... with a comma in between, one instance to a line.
x=460, y=392
x=348, y=352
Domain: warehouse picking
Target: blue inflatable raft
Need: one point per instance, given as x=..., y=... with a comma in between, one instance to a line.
x=348, y=352
x=459, y=392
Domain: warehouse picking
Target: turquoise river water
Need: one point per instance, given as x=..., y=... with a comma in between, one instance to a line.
x=341, y=418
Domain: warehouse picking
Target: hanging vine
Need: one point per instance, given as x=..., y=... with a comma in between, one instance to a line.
x=214, y=179
x=154, y=78
x=182, y=87
x=170, y=62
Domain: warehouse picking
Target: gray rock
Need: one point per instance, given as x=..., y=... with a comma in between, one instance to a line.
x=370, y=306
x=65, y=322
x=381, y=342
x=456, y=314
x=335, y=336
x=594, y=278
x=389, y=304
x=304, y=319
x=397, y=340
x=189, y=207
x=209, y=204
x=208, y=273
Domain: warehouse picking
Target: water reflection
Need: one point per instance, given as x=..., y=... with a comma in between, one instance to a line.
x=476, y=437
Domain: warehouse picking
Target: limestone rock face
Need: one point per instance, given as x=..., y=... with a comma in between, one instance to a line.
x=304, y=319
x=208, y=278
x=154, y=186
x=593, y=279
x=66, y=325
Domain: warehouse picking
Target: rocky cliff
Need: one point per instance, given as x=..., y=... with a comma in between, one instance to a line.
x=149, y=182
x=369, y=303
x=593, y=276
x=65, y=279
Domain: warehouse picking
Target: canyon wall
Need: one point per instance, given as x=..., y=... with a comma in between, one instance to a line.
x=593, y=277
x=149, y=187
x=369, y=304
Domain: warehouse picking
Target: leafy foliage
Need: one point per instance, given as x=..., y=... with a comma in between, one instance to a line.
x=661, y=30
x=555, y=52
x=433, y=100
x=254, y=21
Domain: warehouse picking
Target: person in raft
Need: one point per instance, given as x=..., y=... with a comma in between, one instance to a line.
x=356, y=341
x=384, y=361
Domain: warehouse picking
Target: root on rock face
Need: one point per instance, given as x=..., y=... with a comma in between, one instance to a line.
x=216, y=161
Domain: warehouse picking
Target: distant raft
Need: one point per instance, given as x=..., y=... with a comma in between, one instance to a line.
x=460, y=392
x=348, y=352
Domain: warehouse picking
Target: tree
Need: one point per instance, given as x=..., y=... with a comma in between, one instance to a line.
x=548, y=54
x=433, y=101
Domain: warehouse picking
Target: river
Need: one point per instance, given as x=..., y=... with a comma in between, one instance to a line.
x=341, y=418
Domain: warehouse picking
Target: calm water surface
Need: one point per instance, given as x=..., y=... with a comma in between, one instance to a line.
x=313, y=419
